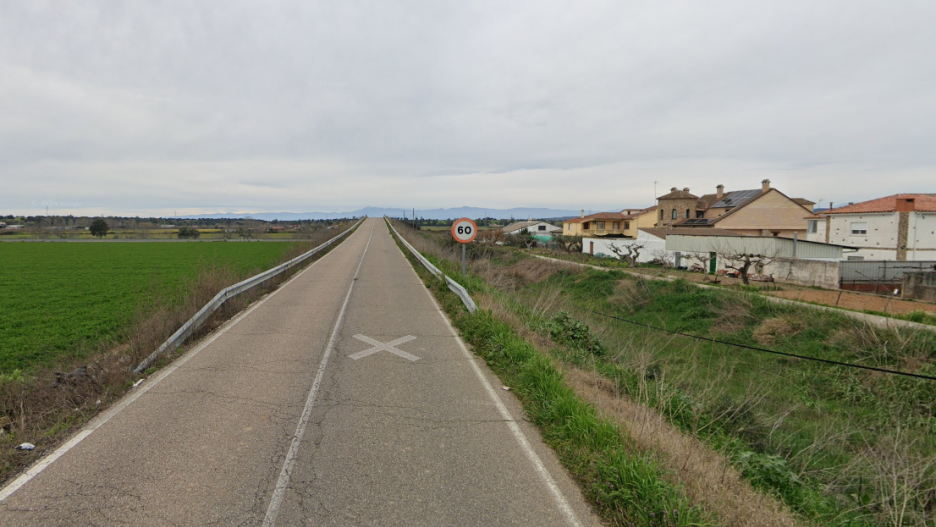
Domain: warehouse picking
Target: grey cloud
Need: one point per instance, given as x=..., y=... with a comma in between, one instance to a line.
x=334, y=104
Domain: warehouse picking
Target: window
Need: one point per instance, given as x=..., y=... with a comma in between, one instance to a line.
x=700, y=214
x=626, y=225
x=675, y=214
x=687, y=213
x=859, y=227
x=661, y=214
x=616, y=225
x=541, y=228
x=599, y=225
x=812, y=226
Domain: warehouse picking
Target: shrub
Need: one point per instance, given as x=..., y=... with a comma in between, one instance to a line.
x=566, y=330
x=189, y=232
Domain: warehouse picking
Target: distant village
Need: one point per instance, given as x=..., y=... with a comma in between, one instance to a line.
x=867, y=246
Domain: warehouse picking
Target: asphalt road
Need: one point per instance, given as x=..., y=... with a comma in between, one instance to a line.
x=343, y=398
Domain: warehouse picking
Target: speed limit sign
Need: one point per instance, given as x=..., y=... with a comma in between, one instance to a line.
x=464, y=230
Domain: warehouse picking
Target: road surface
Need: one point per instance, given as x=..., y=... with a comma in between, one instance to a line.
x=342, y=398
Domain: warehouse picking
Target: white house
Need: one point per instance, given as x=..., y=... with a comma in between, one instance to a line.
x=536, y=228
x=901, y=227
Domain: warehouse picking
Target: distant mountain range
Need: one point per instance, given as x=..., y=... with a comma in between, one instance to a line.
x=520, y=213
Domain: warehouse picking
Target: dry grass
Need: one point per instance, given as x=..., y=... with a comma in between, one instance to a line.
x=734, y=312
x=877, y=345
x=512, y=278
x=778, y=329
x=706, y=475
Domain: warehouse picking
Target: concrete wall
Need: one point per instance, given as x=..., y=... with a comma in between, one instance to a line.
x=920, y=286
x=820, y=273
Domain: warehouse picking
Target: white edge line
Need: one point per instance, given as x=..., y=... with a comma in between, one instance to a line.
x=282, y=482
x=136, y=393
x=524, y=443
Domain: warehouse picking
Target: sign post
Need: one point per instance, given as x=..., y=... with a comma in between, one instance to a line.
x=464, y=231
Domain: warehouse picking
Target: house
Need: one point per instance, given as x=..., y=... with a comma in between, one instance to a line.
x=756, y=212
x=536, y=228
x=900, y=227
x=614, y=224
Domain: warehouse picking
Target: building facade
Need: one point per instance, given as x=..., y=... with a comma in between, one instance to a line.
x=755, y=212
x=900, y=227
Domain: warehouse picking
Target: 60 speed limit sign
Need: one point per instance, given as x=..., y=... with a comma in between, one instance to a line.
x=464, y=230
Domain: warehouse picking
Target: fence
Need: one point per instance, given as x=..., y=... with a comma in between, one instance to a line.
x=878, y=276
x=453, y=286
x=192, y=325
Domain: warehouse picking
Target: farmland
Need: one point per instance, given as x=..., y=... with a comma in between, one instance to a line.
x=67, y=299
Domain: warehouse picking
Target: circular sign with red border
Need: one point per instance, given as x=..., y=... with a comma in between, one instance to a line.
x=464, y=230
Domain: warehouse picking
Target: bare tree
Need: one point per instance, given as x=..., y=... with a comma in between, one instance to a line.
x=703, y=257
x=663, y=258
x=570, y=244
x=629, y=252
x=490, y=237
x=736, y=258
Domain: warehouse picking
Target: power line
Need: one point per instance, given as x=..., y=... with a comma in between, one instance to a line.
x=804, y=357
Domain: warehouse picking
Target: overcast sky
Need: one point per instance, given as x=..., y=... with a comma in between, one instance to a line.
x=148, y=107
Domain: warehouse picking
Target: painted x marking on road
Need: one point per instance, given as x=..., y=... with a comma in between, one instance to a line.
x=380, y=346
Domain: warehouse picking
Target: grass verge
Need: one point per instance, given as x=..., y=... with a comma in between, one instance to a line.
x=837, y=445
x=625, y=486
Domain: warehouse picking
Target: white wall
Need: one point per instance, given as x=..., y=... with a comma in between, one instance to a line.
x=653, y=246
x=921, y=243
x=880, y=242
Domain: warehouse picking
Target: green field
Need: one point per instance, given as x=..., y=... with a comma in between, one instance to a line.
x=67, y=298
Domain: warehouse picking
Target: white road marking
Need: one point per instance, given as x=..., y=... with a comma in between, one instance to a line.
x=136, y=393
x=380, y=346
x=560, y=500
x=283, y=482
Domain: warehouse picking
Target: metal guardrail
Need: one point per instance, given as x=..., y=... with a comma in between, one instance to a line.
x=192, y=325
x=432, y=269
x=456, y=288
x=453, y=286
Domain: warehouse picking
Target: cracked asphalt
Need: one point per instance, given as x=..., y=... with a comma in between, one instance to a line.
x=388, y=442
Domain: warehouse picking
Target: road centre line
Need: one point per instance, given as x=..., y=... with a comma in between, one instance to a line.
x=561, y=503
x=282, y=482
x=136, y=393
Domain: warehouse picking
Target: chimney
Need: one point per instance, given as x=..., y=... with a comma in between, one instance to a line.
x=765, y=185
x=673, y=189
x=720, y=191
x=685, y=189
x=905, y=205
x=583, y=213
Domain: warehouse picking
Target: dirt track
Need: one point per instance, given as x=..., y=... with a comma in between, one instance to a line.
x=855, y=301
